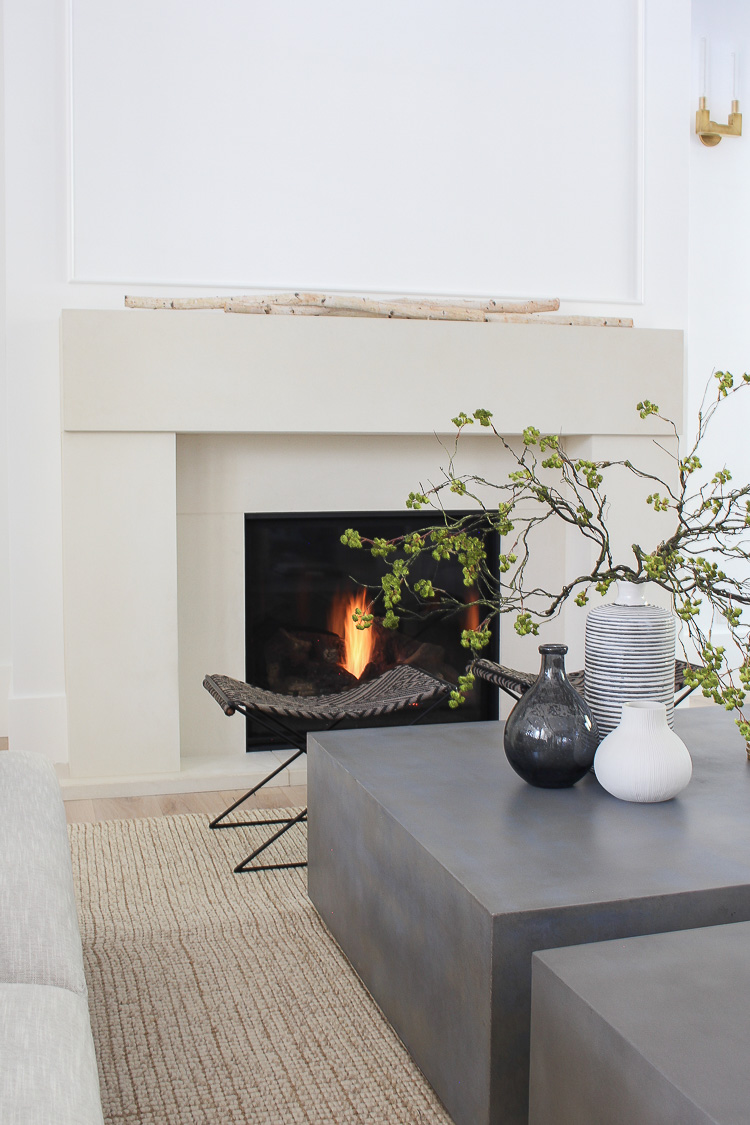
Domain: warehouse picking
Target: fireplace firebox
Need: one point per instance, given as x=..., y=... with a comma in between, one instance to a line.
x=301, y=588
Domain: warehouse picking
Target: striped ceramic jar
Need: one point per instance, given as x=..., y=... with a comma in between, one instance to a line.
x=630, y=653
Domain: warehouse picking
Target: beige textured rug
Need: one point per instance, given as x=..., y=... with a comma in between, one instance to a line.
x=221, y=998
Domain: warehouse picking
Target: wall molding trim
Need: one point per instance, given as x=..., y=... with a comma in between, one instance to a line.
x=247, y=282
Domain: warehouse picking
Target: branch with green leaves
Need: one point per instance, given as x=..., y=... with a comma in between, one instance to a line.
x=703, y=563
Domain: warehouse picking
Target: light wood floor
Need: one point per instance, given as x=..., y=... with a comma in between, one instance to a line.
x=209, y=804
x=170, y=804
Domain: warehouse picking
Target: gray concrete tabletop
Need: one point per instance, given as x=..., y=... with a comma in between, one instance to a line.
x=519, y=848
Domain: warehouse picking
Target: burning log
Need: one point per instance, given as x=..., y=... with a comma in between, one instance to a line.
x=318, y=679
x=305, y=662
x=392, y=648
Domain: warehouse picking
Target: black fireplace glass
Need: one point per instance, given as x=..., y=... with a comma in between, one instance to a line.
x=301, y=584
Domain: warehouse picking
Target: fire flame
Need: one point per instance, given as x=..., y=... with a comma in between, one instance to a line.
x=358, y=643
x=472, y=611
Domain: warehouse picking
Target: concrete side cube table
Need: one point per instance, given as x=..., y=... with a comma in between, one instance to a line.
x=649, y=1030
x=440, y=872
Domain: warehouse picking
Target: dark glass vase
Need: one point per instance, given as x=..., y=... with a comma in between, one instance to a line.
x=551, y=737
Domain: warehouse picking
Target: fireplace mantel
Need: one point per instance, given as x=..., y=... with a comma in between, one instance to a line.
x=211, y=372
x=158, y=407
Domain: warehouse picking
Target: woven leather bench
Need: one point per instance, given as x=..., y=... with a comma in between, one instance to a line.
x=396, y=690
x=515, y=683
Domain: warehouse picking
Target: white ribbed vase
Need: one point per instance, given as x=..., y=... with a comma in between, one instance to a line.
x=642, y=759
x=630, y=651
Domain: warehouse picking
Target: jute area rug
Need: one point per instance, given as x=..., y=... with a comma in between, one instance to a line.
x=222, y=998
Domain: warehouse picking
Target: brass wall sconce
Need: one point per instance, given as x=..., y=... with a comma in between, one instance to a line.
x=710, y=132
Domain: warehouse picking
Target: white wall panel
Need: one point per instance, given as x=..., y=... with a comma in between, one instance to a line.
x=5, y=641
x=720, y=228
x=719, y=332
x=409, y=145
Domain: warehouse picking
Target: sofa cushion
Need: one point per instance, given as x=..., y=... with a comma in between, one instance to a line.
x=48, y=1072
x=39, y=938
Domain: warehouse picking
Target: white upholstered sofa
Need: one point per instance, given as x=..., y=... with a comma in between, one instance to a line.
x=48, y=1072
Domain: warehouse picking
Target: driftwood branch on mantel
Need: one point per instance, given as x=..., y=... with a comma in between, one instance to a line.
x=401, y=308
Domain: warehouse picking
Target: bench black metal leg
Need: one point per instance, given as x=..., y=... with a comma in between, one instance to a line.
x=286, y=822
x=215, y=823
x=244, y=867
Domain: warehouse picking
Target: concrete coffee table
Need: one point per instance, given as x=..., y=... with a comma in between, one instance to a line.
x=440, y=872
x=647, y=1029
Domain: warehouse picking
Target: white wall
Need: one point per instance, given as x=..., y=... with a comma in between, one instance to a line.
x=414, y=147
x=5, y=642
x=719, y=324
x=524, y=200
x=719, y=321
x=402, y=145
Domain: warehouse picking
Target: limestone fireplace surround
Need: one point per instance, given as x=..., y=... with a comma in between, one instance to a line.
x=177, y=423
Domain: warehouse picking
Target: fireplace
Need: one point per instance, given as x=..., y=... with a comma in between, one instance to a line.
x=301, y=588
x=175, y=425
